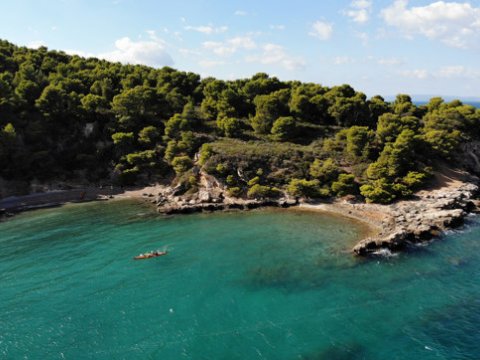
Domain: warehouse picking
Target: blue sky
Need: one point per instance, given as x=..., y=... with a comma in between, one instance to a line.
x=379, y=46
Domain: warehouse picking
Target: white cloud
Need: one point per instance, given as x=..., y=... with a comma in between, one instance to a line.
x=420, y=74
x=80, y=53
x=207, y=29
x=150, y=52
x=230, y=46
x=277, y=27
x=241, y=13
x=458, y=71
x=455, y=24
x=321, y=30
x=242, y=42
x=274, y=54
x=36, y=44
x=359, y=11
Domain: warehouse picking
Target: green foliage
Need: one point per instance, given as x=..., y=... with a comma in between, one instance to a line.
x=443, y=142
x=396, y=158
x=258, y=191
x=349, y=109
x=142, y=159
x=268, y=109
x=149, y=135
x=391, y=125
x=181, y=164
x=230, y=180
x=9, y=131
x=172, y=150
x=414, y=179
x=81, y=120
x=229, y=126
x=187, y=142
x=344, y=185
x=403, y=105
x=325, y=171
x=138, y=102
x=206, y=151
x=304, y=188
x=128, y=176
x=284, y=128
x=234, y=191
x=359, y=141
x=93, y=104
x=175, y=125
x=124, y=142
x=254, y=181
x=221, y=169
x=378, y=191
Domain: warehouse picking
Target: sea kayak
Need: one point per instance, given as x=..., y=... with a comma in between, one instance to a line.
x=150, y=255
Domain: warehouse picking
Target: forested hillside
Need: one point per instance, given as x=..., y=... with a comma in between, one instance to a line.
x=74, y=119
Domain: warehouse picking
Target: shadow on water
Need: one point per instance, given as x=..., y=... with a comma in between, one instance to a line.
x=455, y=327
x=352, y=351
x=296, y=277
x=284, y=277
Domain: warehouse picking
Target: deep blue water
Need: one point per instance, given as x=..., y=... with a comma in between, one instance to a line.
x=269, y=284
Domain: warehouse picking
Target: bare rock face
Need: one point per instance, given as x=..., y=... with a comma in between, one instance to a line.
x=422, y=219
x=211, y=196
x=469, y=156
x=204, y=196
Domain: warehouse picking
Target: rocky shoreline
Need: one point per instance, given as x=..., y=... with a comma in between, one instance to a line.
x=393, y=227
x=421, y=219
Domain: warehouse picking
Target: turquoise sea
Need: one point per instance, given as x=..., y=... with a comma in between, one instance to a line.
x=265, y=284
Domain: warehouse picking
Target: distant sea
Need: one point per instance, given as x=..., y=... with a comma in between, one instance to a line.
x=473, y=103
x=266, y=284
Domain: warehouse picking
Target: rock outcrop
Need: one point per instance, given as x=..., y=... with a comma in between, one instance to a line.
x=211, y=196
x=421, y=219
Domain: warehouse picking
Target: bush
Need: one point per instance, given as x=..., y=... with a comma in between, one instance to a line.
x=284, y=128
x=221, y=169
x=325, y=171
x=148, y=135
x=344, y=185
x=304, y=188
x=254, y=181
x=260, y=192
x=234, y=191
x=414, y=180
x=181, y=164
x=230, y=127
x=230, y=180
x=378, y=191
x=206, y=151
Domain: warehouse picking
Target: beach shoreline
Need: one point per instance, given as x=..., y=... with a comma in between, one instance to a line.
x=425, y=216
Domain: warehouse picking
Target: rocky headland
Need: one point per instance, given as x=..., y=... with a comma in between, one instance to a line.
x=420, y=220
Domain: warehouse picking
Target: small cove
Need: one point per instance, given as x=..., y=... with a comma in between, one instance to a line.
x=264, y=284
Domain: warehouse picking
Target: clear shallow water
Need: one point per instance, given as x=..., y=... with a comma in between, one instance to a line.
x=267, y=284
